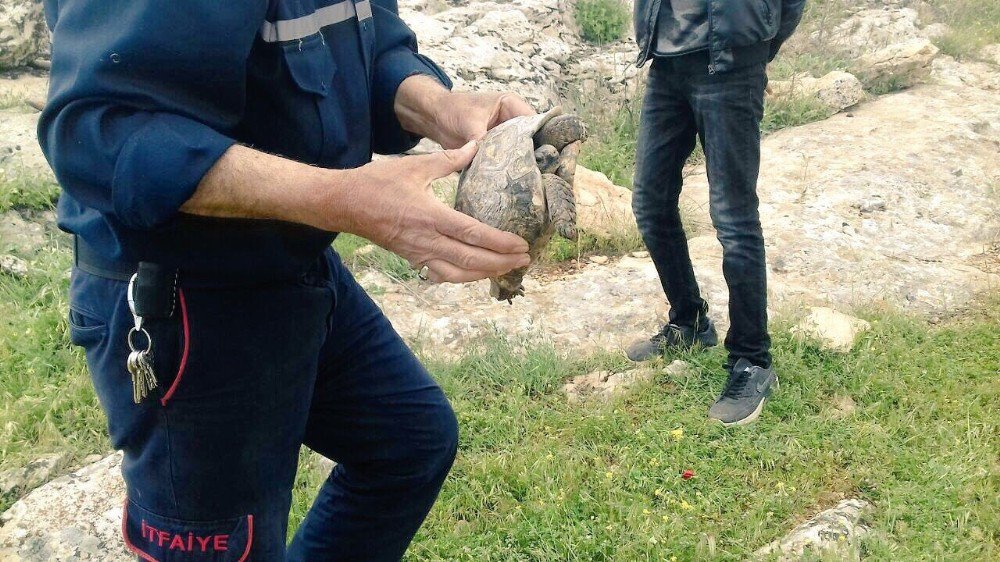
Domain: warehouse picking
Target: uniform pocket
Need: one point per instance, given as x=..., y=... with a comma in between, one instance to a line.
x=155, y=538
x=310, y=64
x=86, y=328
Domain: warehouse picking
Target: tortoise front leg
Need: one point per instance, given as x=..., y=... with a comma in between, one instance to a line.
x=561, y=205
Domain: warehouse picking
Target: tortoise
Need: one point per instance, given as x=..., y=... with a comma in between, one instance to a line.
x=521, y=181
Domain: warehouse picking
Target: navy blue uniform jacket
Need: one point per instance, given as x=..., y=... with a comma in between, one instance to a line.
x=146, y=95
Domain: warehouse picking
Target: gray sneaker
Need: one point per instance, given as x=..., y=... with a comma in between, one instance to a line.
x=743, y=398
x=673, y=337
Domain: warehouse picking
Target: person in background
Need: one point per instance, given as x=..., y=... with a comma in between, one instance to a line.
x=707, y=80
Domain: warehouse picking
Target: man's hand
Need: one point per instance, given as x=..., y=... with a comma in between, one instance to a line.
x=396, y=210
x=452, y=119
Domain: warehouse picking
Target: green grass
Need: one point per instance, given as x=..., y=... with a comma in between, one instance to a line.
x=47, y=403
x=973, y=24
x=538, y=479
x=25, y=192
x=612, y=132
x=782, y=112
x=601, y=21
x=588, y=243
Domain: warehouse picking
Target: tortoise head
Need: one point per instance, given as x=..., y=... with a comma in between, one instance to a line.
x=507, y=287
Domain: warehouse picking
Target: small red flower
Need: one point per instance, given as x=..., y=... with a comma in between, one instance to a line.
x=687, y=474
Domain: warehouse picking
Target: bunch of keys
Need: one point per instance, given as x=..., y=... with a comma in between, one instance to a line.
x=140, y=361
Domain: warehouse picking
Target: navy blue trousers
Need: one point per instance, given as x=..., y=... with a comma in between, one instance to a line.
x=247, y=374
x=724, y=110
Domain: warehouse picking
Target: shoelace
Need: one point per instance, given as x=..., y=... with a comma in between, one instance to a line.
x=736, y=386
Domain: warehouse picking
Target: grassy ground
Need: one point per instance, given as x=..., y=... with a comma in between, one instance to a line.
x=27, y=193
x=538, y=479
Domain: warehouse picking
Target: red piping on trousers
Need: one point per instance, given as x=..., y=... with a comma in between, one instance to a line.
x=249, y=538
x=184, y=355
x=128, y=542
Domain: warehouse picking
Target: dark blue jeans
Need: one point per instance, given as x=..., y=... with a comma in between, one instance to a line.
x=247, y=374
x=724, y=110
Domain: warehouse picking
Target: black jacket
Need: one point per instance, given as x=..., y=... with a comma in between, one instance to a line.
x=732, y=25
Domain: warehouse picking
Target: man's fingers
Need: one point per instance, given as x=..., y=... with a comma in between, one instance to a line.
x=440, y=271
x=474, y=258
x=464, y=228
x=448, y=161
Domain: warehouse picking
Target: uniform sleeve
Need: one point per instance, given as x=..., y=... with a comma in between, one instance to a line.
x=396, y=59
x=142, y=94
x=791, y=15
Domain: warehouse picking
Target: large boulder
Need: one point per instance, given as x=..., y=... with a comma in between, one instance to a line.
x=531, y=47
x=837, y=90
x=947, y=70
x=76, y=518
x=23, y=34
x=489, y=46
x=602, y=207
x=870, y=30
x=832, y=330
x=886, y=42
x=910, y=59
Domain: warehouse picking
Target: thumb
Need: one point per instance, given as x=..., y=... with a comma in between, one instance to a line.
x=454, y=160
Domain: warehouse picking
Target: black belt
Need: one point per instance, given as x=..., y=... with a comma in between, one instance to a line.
x=87, y=259
x=155, y=287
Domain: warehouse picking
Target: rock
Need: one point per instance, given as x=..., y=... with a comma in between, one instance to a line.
x=599, y=260
x=947, y=70
x=20, y=155
x=74, y=518
x=605, y=384
x=19, y=235
x=936, y=30
x=872, y=204
x=527, y=46
x=833, y=330
x=886, y=41
x=23, y=34
x=602, y=207
x=679, y=369
x=23, y=87
x=830, y=534
x=641, y=255
x=911, y=59
x=991, y=53
x=32, y=475
x=90, y=459
x=867, y=31
x=838, y=90
x=15, y=267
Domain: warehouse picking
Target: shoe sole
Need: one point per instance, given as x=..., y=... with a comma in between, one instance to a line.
x=754, y=414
